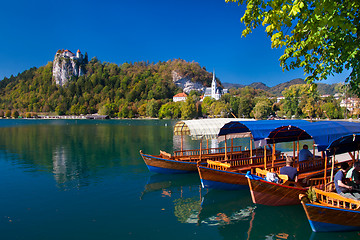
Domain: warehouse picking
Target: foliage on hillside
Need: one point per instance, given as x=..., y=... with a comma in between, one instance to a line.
x=145, y=90
x=107, y=88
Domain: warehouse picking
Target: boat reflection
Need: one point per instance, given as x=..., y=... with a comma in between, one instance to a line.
x=232, y=213
x=169, y=183
x=225, y=207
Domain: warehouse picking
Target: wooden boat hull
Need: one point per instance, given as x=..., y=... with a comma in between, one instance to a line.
x=219, y=179
x=159, y=164
x=273, y=194
x=331, y=219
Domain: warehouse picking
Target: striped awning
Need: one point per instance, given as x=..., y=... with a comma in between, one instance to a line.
x=203, y=128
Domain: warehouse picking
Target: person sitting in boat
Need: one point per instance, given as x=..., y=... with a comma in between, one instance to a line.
x=289, y=170
x=305, y=154
x=340, y=184
x=354, y=175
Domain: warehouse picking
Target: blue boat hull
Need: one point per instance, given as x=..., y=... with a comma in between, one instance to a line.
x=222, y=185
x=220, y=179
x=331, y=219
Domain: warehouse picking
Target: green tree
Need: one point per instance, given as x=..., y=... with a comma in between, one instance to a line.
x=292, y=100
x=206, y=105
x=170, y=110
x=263, y=108
x=15, y=114
x=152, y=108
x=8, y=113
x=322, y=37
x=219, y=109
x=188, y=108
x=246, y=105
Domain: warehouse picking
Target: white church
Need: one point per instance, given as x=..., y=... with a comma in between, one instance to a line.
x=214, y=91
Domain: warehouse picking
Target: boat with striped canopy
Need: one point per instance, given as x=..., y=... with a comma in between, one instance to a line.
x=185, y=161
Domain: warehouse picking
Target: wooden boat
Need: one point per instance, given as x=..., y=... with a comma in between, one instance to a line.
x=185, y=161
x=323, y=133
x=230, y=174
x=286, y=193
x=331, y=212
x=326, y=210
x=276, y=194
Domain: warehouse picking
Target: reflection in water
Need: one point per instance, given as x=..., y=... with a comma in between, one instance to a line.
x=231, y=212
x=68, y=174
x=195, y=205
x=76, y=152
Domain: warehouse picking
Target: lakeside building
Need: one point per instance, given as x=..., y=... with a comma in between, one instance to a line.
x=180, y=97
x=351, y=104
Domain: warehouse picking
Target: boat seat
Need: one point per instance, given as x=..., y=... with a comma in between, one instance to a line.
x=165, y=154
x=262, y=173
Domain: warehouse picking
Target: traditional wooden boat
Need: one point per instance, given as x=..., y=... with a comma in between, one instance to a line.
x=281, y=194
x=331, y=212
x=230, y=173
x=310, y=172
x=185, y=161
x=326, y=210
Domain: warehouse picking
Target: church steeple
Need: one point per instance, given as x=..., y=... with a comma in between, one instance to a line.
x=213, y=85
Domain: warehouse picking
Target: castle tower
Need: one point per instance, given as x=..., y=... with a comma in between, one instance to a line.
x=78, y=54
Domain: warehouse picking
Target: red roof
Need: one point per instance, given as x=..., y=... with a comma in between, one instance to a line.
x=78, y=50
x=181, y=95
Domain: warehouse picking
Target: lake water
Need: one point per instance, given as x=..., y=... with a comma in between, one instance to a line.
x=85, y=179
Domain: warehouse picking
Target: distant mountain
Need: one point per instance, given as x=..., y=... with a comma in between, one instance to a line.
x=277, y=90
x=323, y=88
x=330, y=89
x=259, y=85
x=232, y=85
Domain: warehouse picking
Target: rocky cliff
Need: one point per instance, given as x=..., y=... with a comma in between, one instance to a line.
x=67, y=65
x=186, y=84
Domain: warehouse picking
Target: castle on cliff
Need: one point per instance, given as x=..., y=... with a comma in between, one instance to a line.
x=66, y=65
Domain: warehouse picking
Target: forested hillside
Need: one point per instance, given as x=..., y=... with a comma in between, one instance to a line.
x=144, y=89
x=106, y=87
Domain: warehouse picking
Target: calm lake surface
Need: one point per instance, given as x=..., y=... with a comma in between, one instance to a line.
x=85, y=179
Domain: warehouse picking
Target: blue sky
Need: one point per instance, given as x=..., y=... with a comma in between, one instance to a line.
x=204, y=31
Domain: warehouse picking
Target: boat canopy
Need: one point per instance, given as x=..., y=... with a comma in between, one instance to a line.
x=259, y=130
x=275, y=131
x=345, y=144
x=322, y=132
x=203, y=128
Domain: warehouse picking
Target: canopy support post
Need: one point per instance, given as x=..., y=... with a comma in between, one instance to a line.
x=273, y=155
x=232, y=148
x=200, y=149
x=313, y=150
x=251, y=150
x=265, y=156
x=325, y=172
x=294, y=156
x=226, y=158
x=182, y=145
x=207, y=146
x=332, y=167
x=298, y=150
